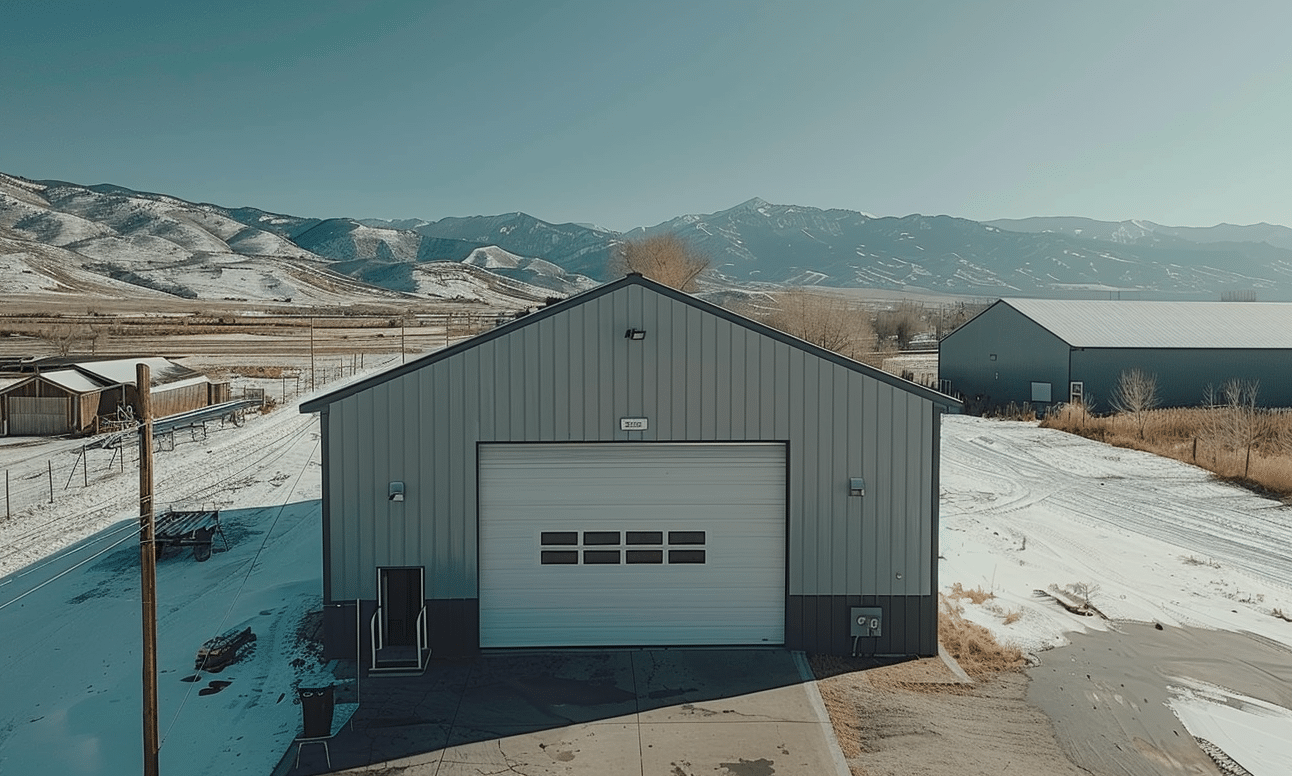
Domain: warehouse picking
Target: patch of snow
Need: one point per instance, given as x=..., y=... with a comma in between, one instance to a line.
x=1024, y=508
x=1252, y=732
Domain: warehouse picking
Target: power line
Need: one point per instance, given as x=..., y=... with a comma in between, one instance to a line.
x=251, y=567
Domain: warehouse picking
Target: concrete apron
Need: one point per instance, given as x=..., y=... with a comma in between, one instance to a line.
x=672, y=712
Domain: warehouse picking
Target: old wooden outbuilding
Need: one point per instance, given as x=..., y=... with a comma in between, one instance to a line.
x=73, y=396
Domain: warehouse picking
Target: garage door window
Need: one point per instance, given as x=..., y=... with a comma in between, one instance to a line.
x=600, y=548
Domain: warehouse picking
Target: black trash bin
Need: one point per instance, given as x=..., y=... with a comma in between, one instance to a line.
x=317, y=704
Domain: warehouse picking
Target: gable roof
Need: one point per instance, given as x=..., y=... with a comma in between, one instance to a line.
x=321, y=402
x=121, y=371
x=67, y=379
x=74, y=381
x=1137, y=324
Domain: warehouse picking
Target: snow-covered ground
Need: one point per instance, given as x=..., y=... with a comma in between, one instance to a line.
x=70, y=611
x=1147, y=539
x=1023, y=509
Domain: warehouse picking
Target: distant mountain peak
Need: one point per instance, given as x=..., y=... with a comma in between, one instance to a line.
x=168, y=245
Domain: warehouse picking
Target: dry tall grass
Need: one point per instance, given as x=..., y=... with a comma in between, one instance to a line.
x=975, y=594
x=1250, y=448
x=972, y=645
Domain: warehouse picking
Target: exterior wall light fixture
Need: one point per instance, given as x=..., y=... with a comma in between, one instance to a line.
x=856, y=486
x=635, y=334
x=396, y=491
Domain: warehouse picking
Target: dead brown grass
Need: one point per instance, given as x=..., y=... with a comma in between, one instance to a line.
x=972, y=645
x=977, y=595
x=1013, y=411
x=1191, y=435
x=263, y=371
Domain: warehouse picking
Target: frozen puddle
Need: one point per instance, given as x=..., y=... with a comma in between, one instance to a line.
x=1248, y=731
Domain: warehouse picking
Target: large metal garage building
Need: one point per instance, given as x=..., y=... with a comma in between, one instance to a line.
x=1044, y=351
x=632, y=466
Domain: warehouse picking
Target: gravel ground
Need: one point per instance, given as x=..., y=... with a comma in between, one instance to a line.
x=917, y=718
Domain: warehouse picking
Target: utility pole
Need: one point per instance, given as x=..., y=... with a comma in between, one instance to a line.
x=311, y=354
x=148, y=569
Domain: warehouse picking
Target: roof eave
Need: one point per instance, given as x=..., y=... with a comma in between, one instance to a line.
x=319, y=403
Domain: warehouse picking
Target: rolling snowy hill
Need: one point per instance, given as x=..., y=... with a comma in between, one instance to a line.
x=110, y=242
x=184, y=249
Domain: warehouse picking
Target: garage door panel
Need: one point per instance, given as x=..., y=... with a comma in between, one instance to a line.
x=733, y=493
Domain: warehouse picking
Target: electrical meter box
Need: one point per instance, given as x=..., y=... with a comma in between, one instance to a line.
x=867, y=621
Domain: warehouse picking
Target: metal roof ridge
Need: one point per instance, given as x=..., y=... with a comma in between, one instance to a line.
x=319, y=402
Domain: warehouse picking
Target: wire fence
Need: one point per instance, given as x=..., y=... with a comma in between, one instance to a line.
x=74, y=467
x=68, y=472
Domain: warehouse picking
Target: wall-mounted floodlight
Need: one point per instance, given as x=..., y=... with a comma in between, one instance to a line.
x=856, y=486
x=635, y=334
x=396, y=491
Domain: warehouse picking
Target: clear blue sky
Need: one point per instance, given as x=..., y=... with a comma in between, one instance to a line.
x=629, y=113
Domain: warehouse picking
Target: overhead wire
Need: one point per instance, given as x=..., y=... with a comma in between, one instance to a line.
x=251, y=567
x=205, y=490
x=69, y=570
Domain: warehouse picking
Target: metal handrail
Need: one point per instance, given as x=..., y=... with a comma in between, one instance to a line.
x=423, y=651
x=376, y=639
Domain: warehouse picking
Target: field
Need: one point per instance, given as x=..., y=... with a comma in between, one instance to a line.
x=1246, y=445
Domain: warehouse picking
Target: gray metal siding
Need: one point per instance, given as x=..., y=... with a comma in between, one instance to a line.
x=1182, y=375
x=572, y=376
x=1025, y=353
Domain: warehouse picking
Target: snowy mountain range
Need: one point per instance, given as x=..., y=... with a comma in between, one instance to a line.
x=54, y=233
x=112, y=242
x=785, y=243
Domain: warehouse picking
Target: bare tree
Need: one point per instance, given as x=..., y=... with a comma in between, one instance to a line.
x=948, y=318
x=1136, y=395
x=900, y=323
x=825, y=320
x=64, y=339
x=665, y=258
x=1234, y=422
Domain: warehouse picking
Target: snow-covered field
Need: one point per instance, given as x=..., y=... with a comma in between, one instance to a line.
x=70, y=611
x=1152, y=540
x=1023, y=509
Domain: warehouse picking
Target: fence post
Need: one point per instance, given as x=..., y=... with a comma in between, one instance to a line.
x=85, y=468
x=51, y=480
x=6, y=493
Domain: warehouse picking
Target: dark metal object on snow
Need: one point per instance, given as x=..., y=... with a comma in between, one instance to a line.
x=189, y=529
x=222, y=650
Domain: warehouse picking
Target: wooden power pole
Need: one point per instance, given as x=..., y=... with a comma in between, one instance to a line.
x=311, y=354
x=148, y=569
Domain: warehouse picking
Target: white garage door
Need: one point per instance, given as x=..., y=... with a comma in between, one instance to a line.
x=632, y=544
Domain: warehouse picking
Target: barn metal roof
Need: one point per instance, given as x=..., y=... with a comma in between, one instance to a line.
x=73, y=380
x=1136, y=324
x=121, y=371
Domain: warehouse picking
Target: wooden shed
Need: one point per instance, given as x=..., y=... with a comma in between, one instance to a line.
x=64, y=401
x=68, y=399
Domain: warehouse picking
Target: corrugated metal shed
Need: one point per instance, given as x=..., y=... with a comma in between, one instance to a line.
x=1136, y=324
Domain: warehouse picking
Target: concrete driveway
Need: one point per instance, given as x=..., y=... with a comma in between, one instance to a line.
x=671, y=712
